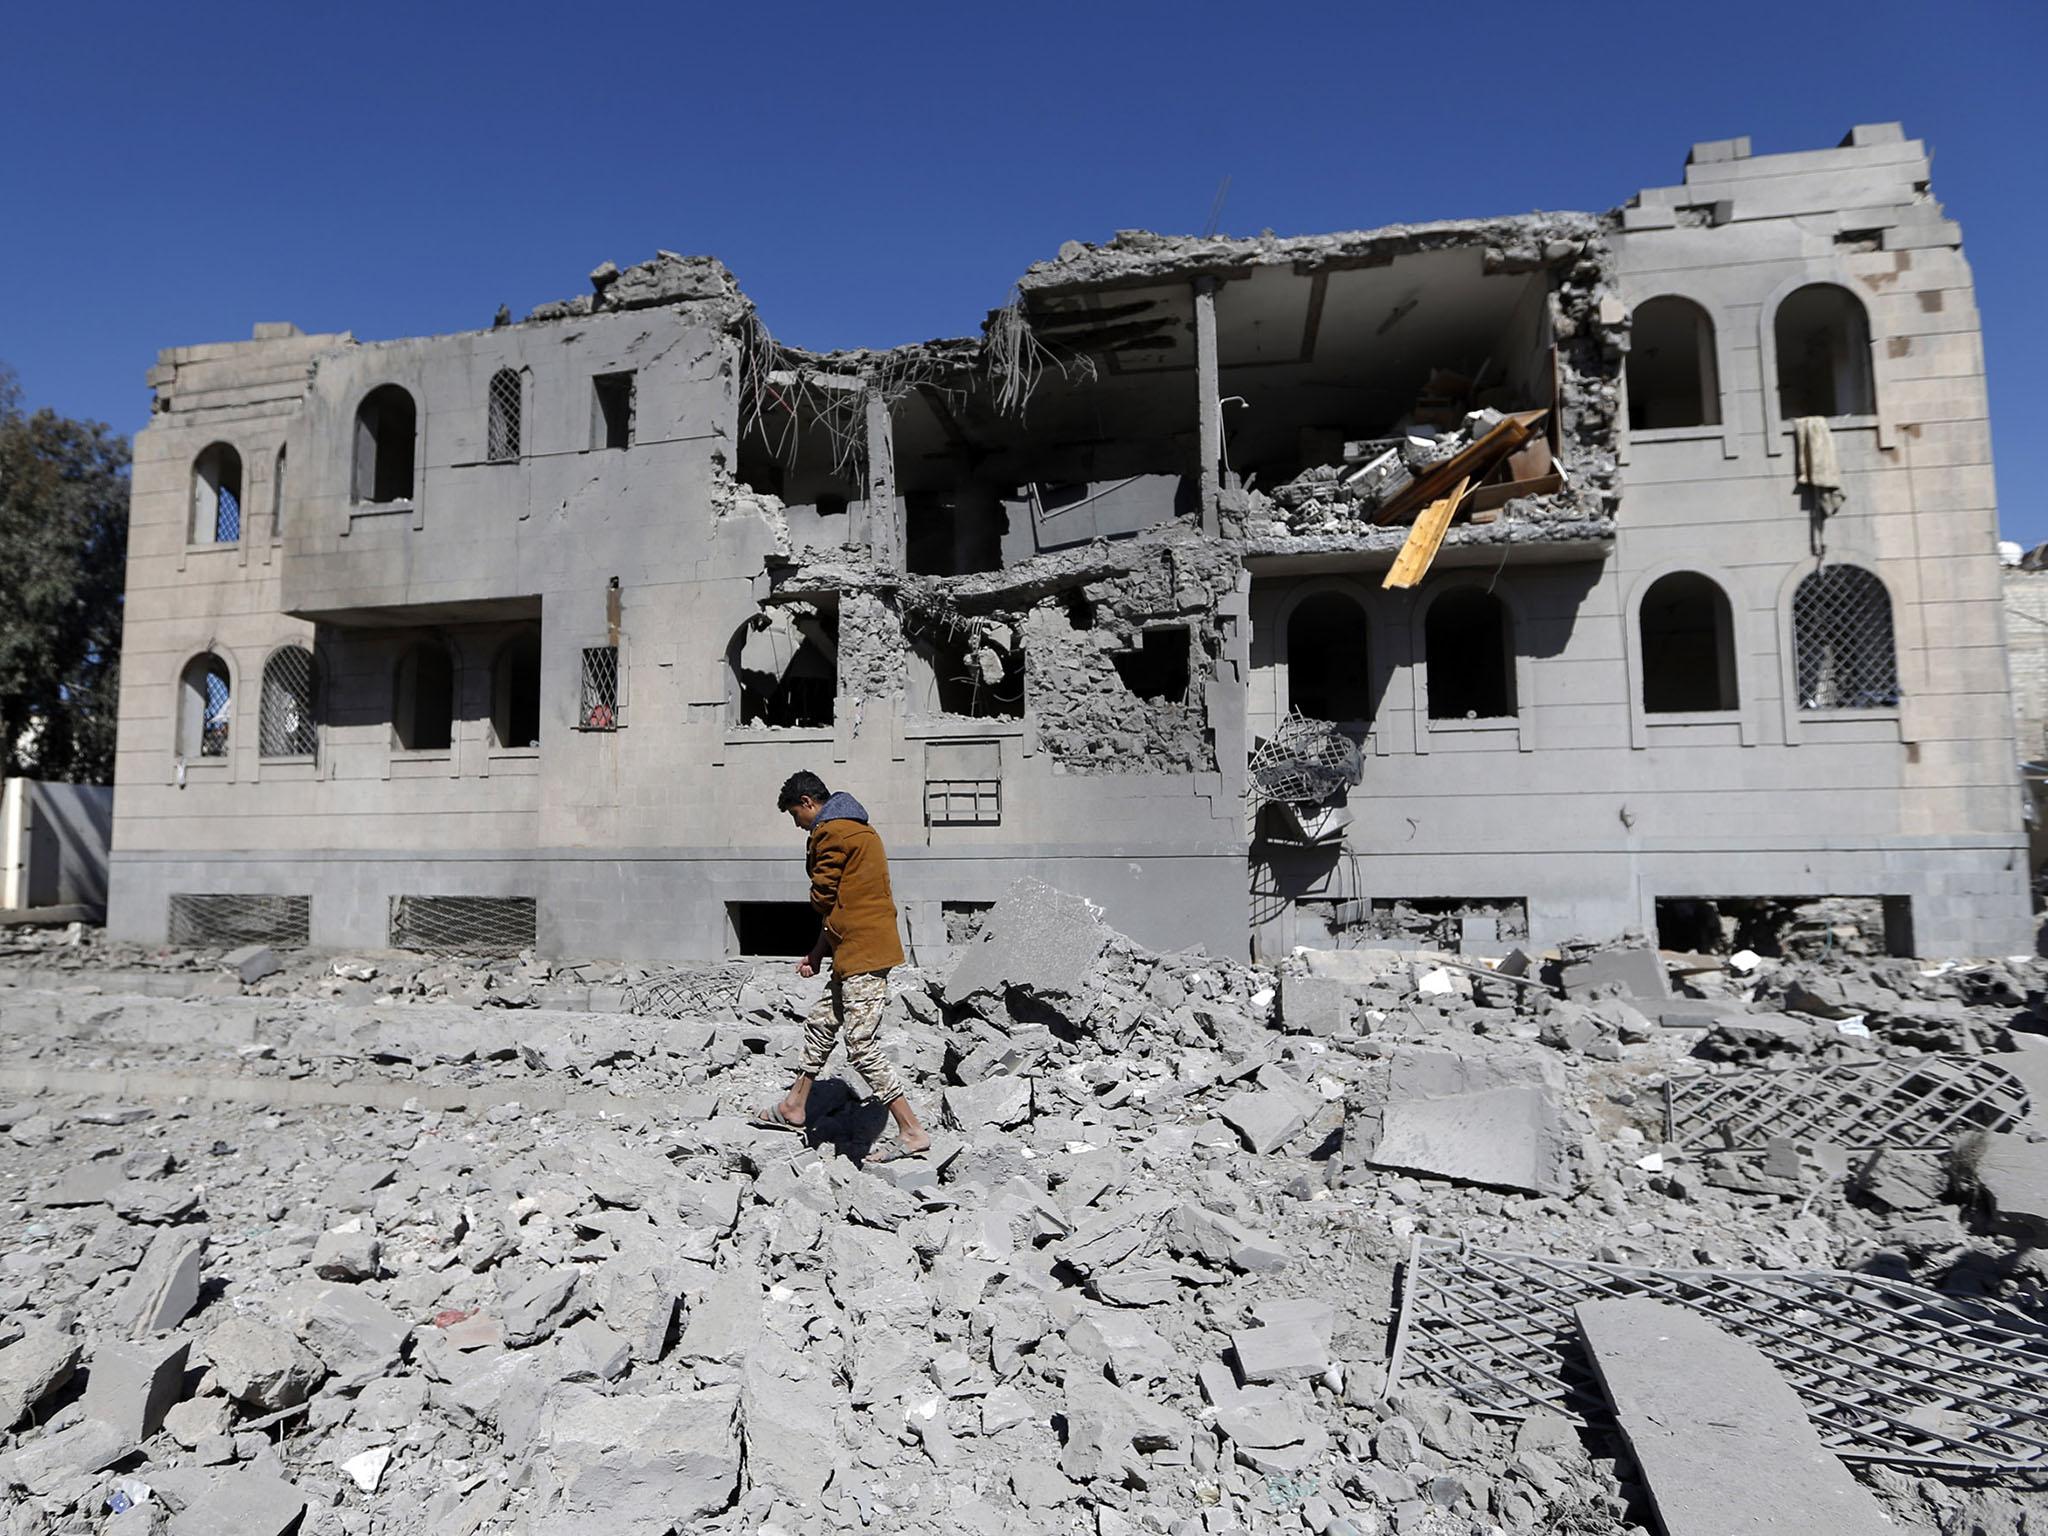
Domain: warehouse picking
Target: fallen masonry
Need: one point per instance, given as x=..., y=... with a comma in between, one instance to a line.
x=1200, y=1248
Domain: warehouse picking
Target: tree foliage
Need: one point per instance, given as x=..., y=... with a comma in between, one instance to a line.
x=63, y=549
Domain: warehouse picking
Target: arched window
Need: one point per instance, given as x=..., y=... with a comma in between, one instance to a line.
x=285, y=727
x=1471, y=663
x=515, y=692
x=1822, y=335
x=785, y=667
x=1672, y=377
x=423, y=699
x=501, y=440
x=386, y=424
x=277, y=495
x=1327, y=678
x=217, y=496
x=205, y=703
x=1842, y=643
x=1688, y=635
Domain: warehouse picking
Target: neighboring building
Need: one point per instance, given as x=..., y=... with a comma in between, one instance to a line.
x=510, y=636
x=53, y=846
x=2026, y=639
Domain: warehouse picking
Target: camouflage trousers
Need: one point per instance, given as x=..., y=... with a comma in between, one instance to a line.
x=852, y=1006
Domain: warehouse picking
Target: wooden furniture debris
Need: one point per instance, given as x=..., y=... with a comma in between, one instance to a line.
x=1425, y=539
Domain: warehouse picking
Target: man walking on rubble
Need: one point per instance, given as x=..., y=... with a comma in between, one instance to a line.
x=850, y=889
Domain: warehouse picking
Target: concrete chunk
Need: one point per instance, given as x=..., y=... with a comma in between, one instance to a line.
x=1036, y=940
x=165, y=1286
x=262, y=1365
x=352, y=1331
x=240, y=1503
x=639, y=1466
x=1001, y=1102
x=1320, y=1005
x=44, y=1465
x=1290, y=1350
x=2010, y=1174
x=1266, y=1119
x=132, y=1386
x=1484, y=1119
x=1637, y=973
x=31, y=1368
x=251, y=963
x=1723, y=1443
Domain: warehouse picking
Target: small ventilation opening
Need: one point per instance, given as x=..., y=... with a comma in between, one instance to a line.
x=964, y=919
x=218, y=921
x=1157, y=669
x=770, y=929
x=464, y=925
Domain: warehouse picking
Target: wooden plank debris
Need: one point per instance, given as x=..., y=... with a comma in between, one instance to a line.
x=1425, y=539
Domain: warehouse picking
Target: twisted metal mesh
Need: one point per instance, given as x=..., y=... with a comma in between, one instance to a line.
x=502, y=439
x=285, y=725
x=1305, y=762
x=213, y=727
x=1913, y=1102
x=701, y=992
x=600, y=708
x=1842, y=640
x=464, y=925
x=1887, y=1372
x=229, y=921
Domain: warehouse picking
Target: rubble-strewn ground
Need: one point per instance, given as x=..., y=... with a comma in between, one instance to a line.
x=434, y=1245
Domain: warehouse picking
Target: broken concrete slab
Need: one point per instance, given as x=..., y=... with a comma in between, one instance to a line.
x=1326, y=1006
x=1267, y=1119
x=792, y=1442
x=1289, y=1350
x=46, y=1464
x=640, y=1465
x=723, y=1320
x=239, y=1502
x=540, y=1306
x=251, y=963
x=1000, y=1102
x=1722, y=1442
x=262, y=1365
x=2009, y=1174
x=132, y=1386
x=31, y=1368
x=353, y=1332
x=1637, y=973
x=1037, y=940
x=1491, y=1118
x=347, y=1252
x=165, y=1286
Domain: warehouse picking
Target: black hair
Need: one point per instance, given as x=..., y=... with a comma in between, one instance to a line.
x=800, y=786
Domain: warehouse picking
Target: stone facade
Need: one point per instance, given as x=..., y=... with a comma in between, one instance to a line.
x=1037, y=597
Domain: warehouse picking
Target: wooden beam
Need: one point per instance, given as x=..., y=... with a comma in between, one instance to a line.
x=1425, y=539
x=1469, y=463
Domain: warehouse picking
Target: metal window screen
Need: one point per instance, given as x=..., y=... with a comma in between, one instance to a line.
x=1842, y=641
x=226, y=922
x=465, y=925
x=286, y=728
x=227, y=516
x=1921, y=1102
x=503, y=437
x=1887, y=1372
x=963, y=802
x=600, y=709
x=213, y=729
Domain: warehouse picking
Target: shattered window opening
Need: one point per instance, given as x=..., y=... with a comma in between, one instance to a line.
x=1822, y=334
x=423, y=699
x=1842, y=643
x=285, y=725
x=217, y=496
x=1688, y=637
x=1468, y=657
x=611, y=410
x=515, y=692
x=386, y=425
x=277, y=495
x=206, y=702
x=770, y=930
x=501, y=444
x=967, y=667
x=1327, y=673
x=1673, y=379
x=784, y=665
x=599, y=710
x=953, y=535
x=1156, y=670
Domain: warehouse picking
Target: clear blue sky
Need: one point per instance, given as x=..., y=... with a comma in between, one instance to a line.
x=881, y=173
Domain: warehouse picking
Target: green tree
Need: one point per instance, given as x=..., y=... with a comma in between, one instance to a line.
x=63, y=552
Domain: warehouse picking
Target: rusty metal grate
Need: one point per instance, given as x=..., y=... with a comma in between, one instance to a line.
x=227, y=921
x=502, y=439
x=285, y=726
x=1842, y=640
x=1888, y=1372
x=600, y=707
x=464, y=925
x=1914, y=1102
x=702, y=992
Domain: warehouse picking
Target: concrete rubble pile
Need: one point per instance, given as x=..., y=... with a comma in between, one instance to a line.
x=313, y=1251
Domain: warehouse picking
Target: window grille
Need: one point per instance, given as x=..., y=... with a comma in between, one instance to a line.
x=1842, y=641
x=600, y=709
x=466, y=925
x=502, y=445
x=286, y=726
x=213, y=727
x=229, y=921
x=963, y=802
x=227, y=516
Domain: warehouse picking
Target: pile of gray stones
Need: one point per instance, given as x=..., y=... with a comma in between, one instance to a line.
x=391, y=1243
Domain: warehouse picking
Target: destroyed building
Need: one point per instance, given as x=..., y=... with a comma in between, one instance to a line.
x=1467, y=582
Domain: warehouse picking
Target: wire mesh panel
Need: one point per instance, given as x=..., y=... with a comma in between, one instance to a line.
x=502, y=442
x=285, y=727
x=213, y=921
x=1921, y=1102
x=701, y=992
x=213, y=726
x=464, y=925
x=1305, y=762
x=1887, y=1372
x=227, y=515
x=600, y=708
x=1842, y=640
